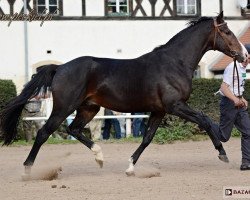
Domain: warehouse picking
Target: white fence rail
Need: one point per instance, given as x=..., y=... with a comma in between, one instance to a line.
x=48, y=103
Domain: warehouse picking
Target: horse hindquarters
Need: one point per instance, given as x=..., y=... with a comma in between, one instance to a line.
x=66, y=99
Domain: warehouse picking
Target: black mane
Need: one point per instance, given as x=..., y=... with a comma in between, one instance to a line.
x=190, y=24
x=201, y=19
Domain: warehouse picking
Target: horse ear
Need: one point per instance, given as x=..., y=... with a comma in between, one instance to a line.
x=219, y=18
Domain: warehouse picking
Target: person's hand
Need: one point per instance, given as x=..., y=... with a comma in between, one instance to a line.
x=245, y=103
x=238, y=102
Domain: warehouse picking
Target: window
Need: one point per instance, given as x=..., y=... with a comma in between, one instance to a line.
x=186, y=7
x=117, y=8
x=51, y=6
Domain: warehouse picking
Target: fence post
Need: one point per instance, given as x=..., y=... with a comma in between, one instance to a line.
x=49, y=104
x=128, y=125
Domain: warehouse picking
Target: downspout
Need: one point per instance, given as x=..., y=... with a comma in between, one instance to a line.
x=26, y=50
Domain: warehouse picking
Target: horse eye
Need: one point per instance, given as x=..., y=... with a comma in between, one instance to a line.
x=228, y=32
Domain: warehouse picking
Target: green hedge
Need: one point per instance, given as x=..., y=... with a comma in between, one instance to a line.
x=7, y=92
x=203, y=99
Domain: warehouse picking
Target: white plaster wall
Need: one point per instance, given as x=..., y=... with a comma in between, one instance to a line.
x=231, y=8
x=210, y=7
x=12, y=52
x=94, y=7
x=117, y=39
x=72, y=8
x=5, y=6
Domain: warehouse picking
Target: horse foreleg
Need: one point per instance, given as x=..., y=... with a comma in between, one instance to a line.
x=182, y=110
x=153, y=123
x=84, y=115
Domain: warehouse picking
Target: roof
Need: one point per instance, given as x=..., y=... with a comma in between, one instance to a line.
x=225, y=60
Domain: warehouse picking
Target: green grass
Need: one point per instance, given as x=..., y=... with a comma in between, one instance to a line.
x=163, y=136
x=130, y=139
x=51, y=140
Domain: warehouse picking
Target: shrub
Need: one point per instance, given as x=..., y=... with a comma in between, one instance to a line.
x=176, y=130
x=7, y=92
x=203, y=99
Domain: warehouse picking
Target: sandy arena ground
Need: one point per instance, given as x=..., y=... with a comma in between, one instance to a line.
x=189, y=170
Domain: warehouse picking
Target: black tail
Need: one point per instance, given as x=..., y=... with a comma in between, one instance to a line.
x=11, y=113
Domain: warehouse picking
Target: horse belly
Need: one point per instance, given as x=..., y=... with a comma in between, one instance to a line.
x=128, y=103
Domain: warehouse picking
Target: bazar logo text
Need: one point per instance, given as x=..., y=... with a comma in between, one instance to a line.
x=32, y=16
x=241, y=191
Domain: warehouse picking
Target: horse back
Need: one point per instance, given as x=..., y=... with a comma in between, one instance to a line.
x=125, y=85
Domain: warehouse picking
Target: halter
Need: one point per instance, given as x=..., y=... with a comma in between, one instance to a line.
x=233, y=53
x=216, y=29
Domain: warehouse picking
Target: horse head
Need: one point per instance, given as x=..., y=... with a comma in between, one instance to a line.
x=225, y=41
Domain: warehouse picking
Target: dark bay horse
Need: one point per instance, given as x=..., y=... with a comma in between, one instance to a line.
x=158, y=82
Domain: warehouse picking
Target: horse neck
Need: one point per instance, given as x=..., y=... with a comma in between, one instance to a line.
x=191, y=46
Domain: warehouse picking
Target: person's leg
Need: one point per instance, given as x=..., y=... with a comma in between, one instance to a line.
x=27, y=128
x=117, y=128
x=228, y=114
x=136, y=126
x=95, y=125
x=38, y=126
x=122, y=123
x=143, y=127
x=106, y=129
x=243, y=125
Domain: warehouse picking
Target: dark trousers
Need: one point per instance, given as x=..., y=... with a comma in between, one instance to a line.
x=138, y=126
x=107, y=127
x=230, y=116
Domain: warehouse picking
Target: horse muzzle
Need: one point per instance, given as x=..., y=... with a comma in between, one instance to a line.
x=240, y=57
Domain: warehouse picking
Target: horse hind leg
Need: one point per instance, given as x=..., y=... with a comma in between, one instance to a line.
x=43, y=134
x=85, y=113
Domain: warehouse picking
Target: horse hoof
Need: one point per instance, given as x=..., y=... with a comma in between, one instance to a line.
x=99, y=155
x=27, y=169
x=99, y=162
x=224, y=158
x=26, y=177
x=130, y=173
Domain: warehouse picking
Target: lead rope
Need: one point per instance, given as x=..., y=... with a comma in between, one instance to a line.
x=238, y=80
